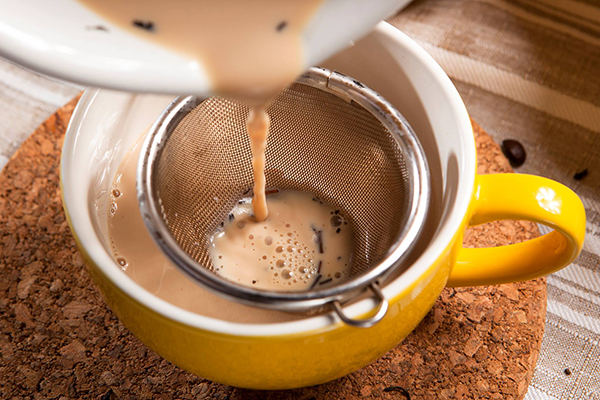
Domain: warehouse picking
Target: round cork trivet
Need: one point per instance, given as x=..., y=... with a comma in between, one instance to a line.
x=59, y=340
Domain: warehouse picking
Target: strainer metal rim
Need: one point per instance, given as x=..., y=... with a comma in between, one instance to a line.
x=352, y=91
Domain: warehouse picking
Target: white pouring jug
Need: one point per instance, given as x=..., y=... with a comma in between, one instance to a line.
x=59, y=38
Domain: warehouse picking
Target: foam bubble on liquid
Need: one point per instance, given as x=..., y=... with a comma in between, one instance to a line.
x=291, y=252
x=122, y=262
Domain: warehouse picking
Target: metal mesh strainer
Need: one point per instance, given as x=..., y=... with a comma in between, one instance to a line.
x=330, y=136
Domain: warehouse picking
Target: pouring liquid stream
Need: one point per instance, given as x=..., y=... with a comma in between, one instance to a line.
x=251, y=50
x=258, y=130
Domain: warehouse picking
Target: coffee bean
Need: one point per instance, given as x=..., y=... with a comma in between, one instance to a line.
x=514, y=151
x=580, y=175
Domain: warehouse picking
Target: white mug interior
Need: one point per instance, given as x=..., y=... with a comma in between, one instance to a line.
x=105, y=125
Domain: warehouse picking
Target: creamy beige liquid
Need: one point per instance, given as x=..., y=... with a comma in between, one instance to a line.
x=251, y=50
x=303, y=244
x=142, y=260
x=139, y=257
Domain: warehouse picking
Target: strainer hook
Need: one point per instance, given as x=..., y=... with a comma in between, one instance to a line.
x=382, y=308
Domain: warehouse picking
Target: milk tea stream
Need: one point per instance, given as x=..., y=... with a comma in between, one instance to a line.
x=251, y=50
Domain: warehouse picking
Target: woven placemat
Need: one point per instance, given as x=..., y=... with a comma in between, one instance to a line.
x=59, y=340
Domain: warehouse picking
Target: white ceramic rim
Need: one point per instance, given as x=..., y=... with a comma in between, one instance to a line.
x=82, y=225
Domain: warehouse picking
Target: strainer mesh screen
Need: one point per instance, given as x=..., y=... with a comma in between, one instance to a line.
x=318, y=143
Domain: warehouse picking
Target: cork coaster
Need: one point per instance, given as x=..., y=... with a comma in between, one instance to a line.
x=59, y=340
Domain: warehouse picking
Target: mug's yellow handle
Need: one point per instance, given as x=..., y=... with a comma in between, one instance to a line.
x=522, y=197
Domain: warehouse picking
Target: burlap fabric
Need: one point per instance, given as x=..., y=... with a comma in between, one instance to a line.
x=26, y=100
x=530, y=70
x=527, y=70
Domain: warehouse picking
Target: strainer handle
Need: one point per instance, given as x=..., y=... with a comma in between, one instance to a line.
x=382, y=308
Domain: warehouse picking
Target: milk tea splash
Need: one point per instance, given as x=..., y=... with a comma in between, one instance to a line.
x=302, y=245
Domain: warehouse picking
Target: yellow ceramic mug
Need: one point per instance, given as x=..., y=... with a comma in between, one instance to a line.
x=317, y=349
x=511, y=196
